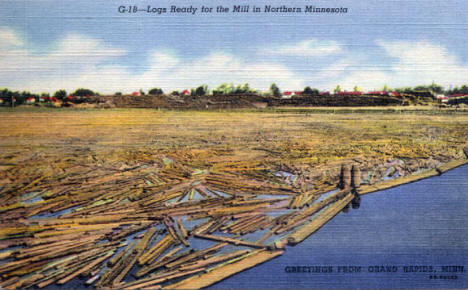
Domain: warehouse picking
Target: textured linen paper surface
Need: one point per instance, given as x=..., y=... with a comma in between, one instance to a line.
x=233, y=144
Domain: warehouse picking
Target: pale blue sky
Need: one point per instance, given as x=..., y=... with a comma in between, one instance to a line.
x=47, y=45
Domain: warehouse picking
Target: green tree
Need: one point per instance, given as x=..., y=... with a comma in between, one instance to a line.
x=404, y=90
x=421, y=88
x=309, y=91
x=458, y=90
x=81, y=92
x=142, y=92
x=386, y=88
x=246, y=88
x=435, y=88
x=155, y=91
x=60, y=94
x=357, y=89
x=175, y=93
x=337, y=89
x=275, y=91
x=464, y=89
x=118, y=93
x=201, y=90
x=221, y=89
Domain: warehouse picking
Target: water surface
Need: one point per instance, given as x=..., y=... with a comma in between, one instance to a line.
x=421, y=224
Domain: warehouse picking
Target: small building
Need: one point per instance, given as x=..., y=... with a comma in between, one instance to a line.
x=452, y=96
x=135, y=94
x=42, y=99
x=297, y=93
x=394, y=94
x=378, y=93
x=345, y=93
x=185, y=93
x=30, y=100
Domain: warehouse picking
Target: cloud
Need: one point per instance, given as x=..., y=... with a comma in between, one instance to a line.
x=219, y=67
x=9, y=39
x=410, y=64
x=74, y=59
x=163, y=59
x=310, y=47
x=81, y=61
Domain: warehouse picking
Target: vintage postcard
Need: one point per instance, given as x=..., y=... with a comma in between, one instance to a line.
x=257, y=144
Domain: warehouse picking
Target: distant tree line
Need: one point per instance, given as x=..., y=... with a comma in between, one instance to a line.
x=17, y=98
x=434, y=88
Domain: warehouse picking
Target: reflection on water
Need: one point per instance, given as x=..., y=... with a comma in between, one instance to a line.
x=355, y=203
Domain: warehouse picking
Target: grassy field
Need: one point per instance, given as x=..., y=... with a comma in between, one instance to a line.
x=298, y=139
x=107, y=174
x=313, y=138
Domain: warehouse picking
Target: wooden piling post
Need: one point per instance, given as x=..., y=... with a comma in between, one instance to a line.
x=356, y=177
x=345, y=176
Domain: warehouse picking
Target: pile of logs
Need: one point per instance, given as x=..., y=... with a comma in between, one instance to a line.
x=140, y=226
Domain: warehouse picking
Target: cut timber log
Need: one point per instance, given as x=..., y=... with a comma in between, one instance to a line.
x=84, y=269
x=308, y=229
x=240, y=264
x=213, y=260
x=156, y=250
x=161, y=262
x=139, y=248
x=157, y=279
x=232, y=241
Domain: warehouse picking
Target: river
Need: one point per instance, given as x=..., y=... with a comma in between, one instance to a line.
x=411, y=236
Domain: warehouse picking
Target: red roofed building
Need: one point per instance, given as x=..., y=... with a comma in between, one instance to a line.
x=185, y=93
x=324, y=93
x=349, y=93
x=298, y=93
x=135, y=94
x=30, y=100
x=442, y=97
x=378, y=93
x=287, y=93
x=457, y=95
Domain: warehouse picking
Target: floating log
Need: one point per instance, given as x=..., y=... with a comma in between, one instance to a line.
x=238, y=265
x=231, y=241
x=84, y=269
x=182, y=229
x=165, y=259
x=195, y=255
x=305, y=231
x=156, y=250
x=157, y=279
x=213, y=260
